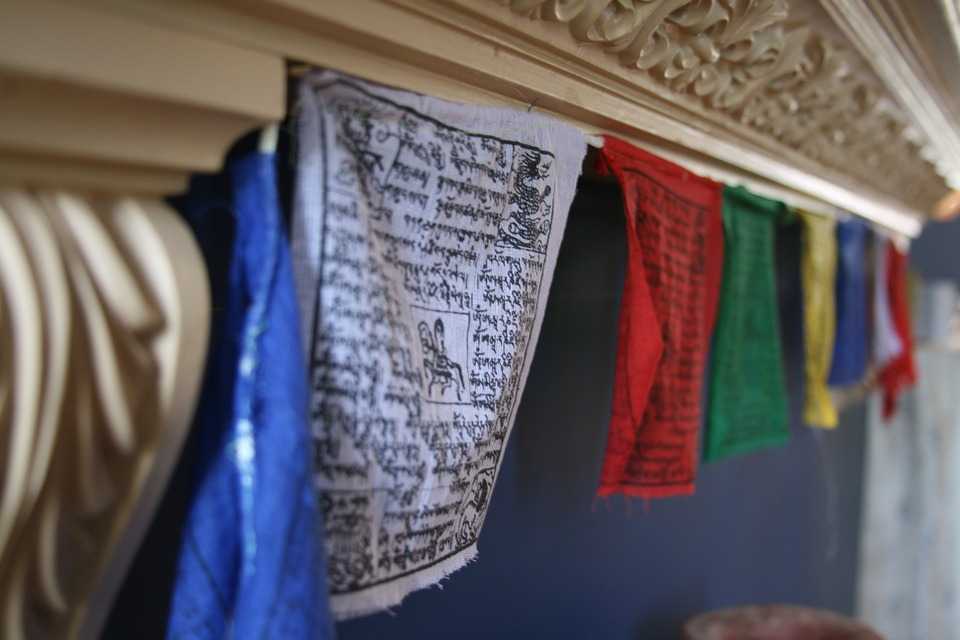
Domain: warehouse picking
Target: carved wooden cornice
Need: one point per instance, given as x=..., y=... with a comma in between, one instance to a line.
x=783, y=79
x=899, y=49
x=750, y=88
x=775, y=88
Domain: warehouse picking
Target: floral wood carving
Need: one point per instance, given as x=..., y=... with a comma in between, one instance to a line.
x=748, y=60
x=103, y=324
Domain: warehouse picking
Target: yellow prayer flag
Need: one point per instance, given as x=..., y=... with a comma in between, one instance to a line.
x=819, y=271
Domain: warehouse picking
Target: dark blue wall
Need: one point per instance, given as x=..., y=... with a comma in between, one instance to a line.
x=555, y=562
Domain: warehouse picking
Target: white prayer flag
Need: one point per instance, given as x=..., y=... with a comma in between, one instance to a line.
x=886, y=343
x=425, y=238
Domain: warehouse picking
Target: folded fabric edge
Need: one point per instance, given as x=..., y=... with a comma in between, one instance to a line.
x=384, y=596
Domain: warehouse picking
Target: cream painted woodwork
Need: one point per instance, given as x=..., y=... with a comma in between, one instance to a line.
x=104, y=312
x=104, y=307
x=767, y=90
x=108, y=105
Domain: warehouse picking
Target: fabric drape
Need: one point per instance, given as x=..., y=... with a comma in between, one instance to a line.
x=674, y=266
x=887, y=345
x=818, y=267
x=898, y=370
x=427, y=235
x=850, y=353
x=252, y=560
x=748, y=400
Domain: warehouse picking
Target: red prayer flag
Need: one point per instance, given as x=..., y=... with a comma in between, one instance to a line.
x=674, y=267
x=900, y=372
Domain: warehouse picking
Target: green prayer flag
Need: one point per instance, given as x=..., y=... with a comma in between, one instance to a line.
x=748, y=400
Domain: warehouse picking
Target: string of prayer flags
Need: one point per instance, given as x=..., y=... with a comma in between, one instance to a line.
x=849, y=363
x=748, y=400
x=818, y=268
x=897, y=371
x=674, y=266
x=426, y=235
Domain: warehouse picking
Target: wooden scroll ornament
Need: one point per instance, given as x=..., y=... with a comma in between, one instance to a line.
x=103, y=331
